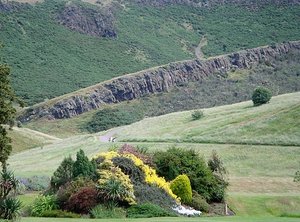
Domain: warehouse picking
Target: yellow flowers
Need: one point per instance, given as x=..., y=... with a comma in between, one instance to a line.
x=108, y=170
x=150, y=175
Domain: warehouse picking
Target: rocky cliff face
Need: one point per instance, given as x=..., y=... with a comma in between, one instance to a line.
x=90, y=21
x=147, y=82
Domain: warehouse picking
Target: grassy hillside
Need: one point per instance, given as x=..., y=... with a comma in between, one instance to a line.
x=274, y=123
x=49, y=60
x=24, y=138
x=282, y=76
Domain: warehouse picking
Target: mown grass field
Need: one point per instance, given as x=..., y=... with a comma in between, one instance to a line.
x=276, y=123
x=40, y=49
x=261, y=176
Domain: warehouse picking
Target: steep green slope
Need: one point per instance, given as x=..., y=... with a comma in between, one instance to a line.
x=49, y=60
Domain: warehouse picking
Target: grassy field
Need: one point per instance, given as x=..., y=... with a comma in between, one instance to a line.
x=276, y=123
x=38, y=48
x=24, y=138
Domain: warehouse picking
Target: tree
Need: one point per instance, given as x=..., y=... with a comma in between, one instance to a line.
x=9, y=206
x=83, y=167
x=63, y=174
x=261, y=96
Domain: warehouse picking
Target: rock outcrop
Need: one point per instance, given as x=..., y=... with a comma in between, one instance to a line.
x=90, y=21
x=152, y=81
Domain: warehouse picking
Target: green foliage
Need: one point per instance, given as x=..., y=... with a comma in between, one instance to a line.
x=181, y=186
x=198, y=114
x=7, y=113
x=147, y=210
x=83, y=167
x=176, y=161
x=82, y=201
x=9, y=205
x=261, y=96
x=63, y=174
x=67, y=190
x=112, y=117
x=44, y=50
x=42, y=204
x=113, y=190
x=10, y=208
x=59, y=214
x=146, y=193
x=297, y=176
x=199, y=203
x=102, y=211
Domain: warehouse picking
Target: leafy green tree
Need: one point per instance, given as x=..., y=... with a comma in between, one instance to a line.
x=181, y=186
x=9, y=206
x=261, y=96
x=63, y=174
x=83, y=167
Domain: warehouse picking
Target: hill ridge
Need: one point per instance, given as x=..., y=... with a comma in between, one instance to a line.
x=151, y=81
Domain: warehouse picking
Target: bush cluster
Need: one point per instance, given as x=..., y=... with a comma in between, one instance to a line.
x=116, y=182
x=176, y=161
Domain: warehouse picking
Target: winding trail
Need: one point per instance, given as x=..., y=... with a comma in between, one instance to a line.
x=106, y=137
x=198, y=52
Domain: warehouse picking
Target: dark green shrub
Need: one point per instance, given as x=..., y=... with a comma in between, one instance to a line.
x=147, y=210
x=42, y=204
x=128, y=167
x=181, y=186
x=197, y=114
x=83, y=201
x=60, y=214
x=83, y=167
x=145, y=193
x=199, y=203
x=10, y=208
x=112, y=117
x=102, y=211
x=67, y=190
x=63, y=174
x=176, y=161
x=261, y=96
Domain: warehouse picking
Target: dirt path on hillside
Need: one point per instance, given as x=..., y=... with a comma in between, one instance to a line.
x=198, y=52
x=107, y=137
x=30, y=131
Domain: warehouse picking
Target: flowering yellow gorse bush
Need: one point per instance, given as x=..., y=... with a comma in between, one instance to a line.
x=150, y=174
x=108, y=171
